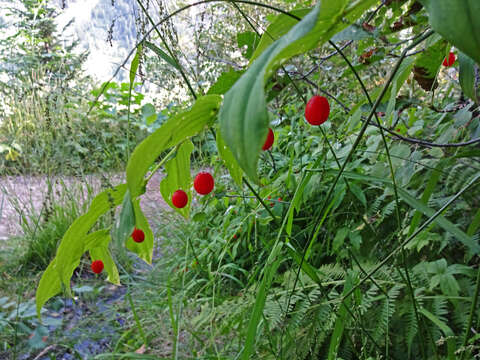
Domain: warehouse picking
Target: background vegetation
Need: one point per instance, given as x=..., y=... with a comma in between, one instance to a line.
x=360, y=239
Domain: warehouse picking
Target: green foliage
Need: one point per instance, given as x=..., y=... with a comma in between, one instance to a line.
x=454, y=22
x=361, y=238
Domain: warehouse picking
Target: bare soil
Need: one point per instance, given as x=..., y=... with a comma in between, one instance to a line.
x=25, y=198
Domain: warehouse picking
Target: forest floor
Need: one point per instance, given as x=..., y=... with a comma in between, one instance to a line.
x=89, y=325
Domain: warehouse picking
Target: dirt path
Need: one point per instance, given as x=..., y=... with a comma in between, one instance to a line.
x=25, y=198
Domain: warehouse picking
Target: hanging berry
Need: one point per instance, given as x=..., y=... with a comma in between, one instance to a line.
x=203, y=183
x=97, y=266
x=269, y=141
x=179, y=199
x=317, y=110
x=138, y=235
x=450, y=60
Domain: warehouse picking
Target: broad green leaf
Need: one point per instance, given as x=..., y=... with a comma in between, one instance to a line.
x=102, y=253
x=144, y=250
x=51, y=284
x=230, y=162
x=457, y=21
x=126, y=222
x=73, y=242
x=134, y=65
x=162, y=54
x=225, y=82
x=467, y=77
x=243, y=116
x=178, y=177
x=279, y=27
x=171, y=133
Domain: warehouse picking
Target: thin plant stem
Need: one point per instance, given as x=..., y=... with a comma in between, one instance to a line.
x=473, y=307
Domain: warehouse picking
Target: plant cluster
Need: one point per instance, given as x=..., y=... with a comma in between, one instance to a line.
x=371, y=248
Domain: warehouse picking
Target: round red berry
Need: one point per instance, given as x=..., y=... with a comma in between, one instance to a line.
x=203, y=183
x=317, y=110
x=269, y=141
x=179, y=199
x=450, y=60
x=97, y=266
x=138, y=235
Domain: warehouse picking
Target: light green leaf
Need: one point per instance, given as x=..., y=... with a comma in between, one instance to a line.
x=225, y=82
x=73, y=242
x=102, y=253
x=279, y=27
x=230, y=162
x=178, y=177
x=144, y=250
x=50, y=283
x=126, y=222
x=467, y=76
x=171, y=133
x=457, y=22
x=134, y=65
x=162, y=54
x=243, y=116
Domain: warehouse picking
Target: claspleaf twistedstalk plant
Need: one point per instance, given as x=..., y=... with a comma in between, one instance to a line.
x=242, y=134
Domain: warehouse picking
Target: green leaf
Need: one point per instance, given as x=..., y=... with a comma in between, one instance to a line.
x=431, y=184
x=134, y=65
x=144, y=250
x=102, y=253
x=447, y=331
x=467, y=76
x=225, y=82
x=457, y=21
x=279, y=27
x=250, y=39
x=162, y=54
x=51, y=284
x=243, y=117
x=126, y=222
x=230, y=162
x=341, y=320
x=178, y=177
x=171, y=133
x=73, y=242
x=466, y=240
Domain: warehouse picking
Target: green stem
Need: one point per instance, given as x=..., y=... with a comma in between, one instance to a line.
x=394, y=182
x=472, y=313
x=172, y=55
x=137, y=320
x=261, y=200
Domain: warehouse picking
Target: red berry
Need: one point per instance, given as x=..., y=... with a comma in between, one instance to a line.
x=138, y=235
x=450, y=60
x=203, y=183
x=317, y=110
x=279, y=199
x=179, y=199
x=269, y=141
x=97, y=266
